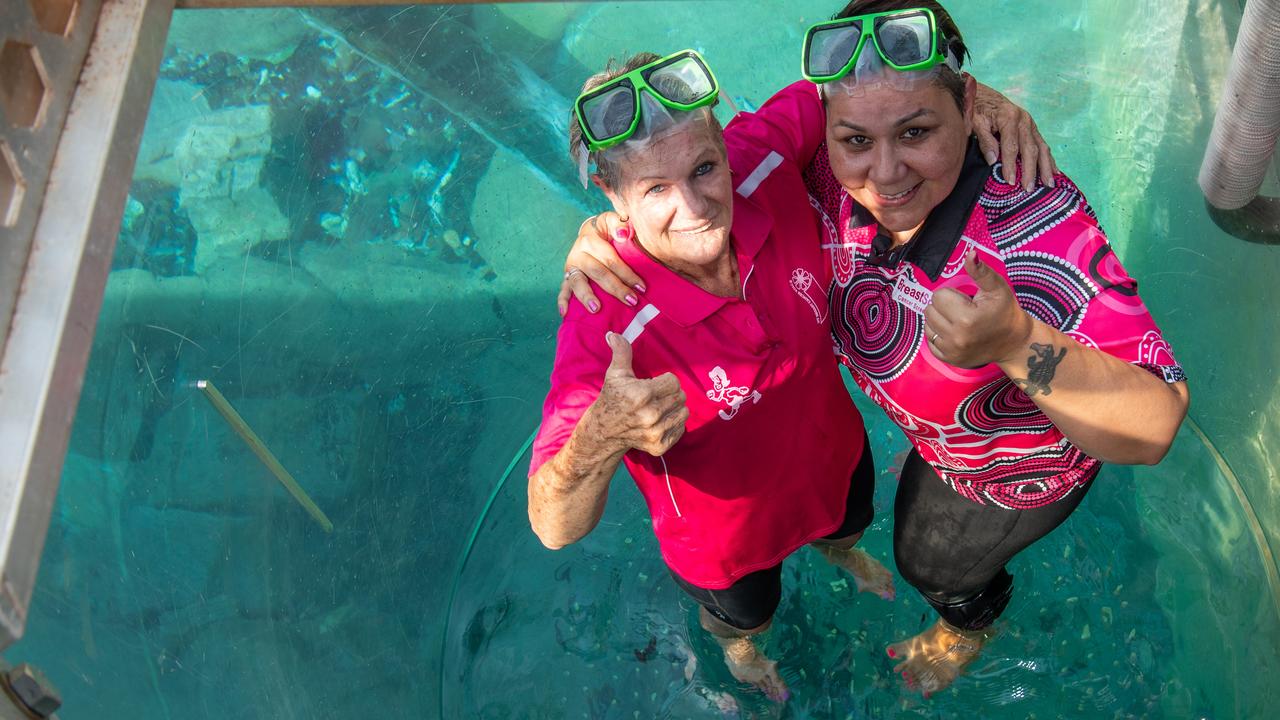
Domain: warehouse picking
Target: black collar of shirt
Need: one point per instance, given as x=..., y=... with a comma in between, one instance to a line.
x=932, y=245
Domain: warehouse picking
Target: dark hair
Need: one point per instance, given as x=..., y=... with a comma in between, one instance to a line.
x=609, y=171
x=952, y=82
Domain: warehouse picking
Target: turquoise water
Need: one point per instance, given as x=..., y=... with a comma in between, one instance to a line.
x=352, y=224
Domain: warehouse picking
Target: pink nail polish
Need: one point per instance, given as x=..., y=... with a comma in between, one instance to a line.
x=892, y=654
x=631, y=300
x=639, y=288
x=623, y=233
x=593, y=306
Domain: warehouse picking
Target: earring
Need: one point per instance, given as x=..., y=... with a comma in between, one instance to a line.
x=624, y=219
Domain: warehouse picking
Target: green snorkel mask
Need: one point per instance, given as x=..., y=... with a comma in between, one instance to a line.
x=906, y=41
x=642, y=100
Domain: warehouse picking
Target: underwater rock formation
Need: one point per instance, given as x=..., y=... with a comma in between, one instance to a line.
x=439, y=51
x=220, y=161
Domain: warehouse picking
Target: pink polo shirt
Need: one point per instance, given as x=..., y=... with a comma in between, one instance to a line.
x=773, y=437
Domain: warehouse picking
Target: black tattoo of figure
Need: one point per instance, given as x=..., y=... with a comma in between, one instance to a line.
x=1041, y=368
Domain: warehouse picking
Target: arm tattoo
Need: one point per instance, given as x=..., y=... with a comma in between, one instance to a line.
x=1041, y=368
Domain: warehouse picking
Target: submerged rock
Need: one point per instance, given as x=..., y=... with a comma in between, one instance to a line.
x=220, y=161
x=175, y=105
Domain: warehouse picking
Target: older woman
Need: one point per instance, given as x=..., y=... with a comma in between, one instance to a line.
x=718, y=391
x=701, y=389
x=991, y=322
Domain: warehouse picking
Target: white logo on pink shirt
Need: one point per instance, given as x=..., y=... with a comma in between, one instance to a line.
x=732, y=395
x=807, y=287
x=911, y=294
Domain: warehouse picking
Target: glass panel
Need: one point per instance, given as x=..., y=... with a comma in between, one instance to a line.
x=351, y=221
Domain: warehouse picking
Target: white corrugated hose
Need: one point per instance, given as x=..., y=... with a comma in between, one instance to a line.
x=1247, y=126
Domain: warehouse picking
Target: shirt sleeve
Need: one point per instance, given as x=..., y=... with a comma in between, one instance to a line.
x=792, y=123
x=1074, y=259
x=582, y=357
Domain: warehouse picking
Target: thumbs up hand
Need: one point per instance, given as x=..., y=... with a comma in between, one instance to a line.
x=971, y=332
x=645, y=414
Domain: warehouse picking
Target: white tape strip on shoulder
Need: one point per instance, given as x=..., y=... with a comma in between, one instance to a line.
x=757, y=176
x=642, y=318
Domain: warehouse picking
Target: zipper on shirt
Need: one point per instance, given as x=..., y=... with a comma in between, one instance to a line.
x=670, y=493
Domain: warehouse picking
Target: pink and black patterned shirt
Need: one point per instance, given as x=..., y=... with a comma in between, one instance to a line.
x=976, y=428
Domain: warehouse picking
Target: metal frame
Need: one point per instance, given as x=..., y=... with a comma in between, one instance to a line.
x=60, y=295
x=31, y=149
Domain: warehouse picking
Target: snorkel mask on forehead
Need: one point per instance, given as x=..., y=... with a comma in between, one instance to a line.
x=625, y=113
x=906, y=42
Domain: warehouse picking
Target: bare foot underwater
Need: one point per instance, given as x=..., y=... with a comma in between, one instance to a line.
x=932, y=660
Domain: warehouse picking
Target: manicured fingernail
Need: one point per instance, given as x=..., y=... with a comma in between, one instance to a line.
x=593, y=306
x=631, y=300
x=623, y=233
x=639, y=288
x=892, y=653
x=562, y=310
x=991, y=158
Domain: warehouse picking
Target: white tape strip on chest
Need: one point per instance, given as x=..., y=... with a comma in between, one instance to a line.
x=757, y=176
x=642, y=318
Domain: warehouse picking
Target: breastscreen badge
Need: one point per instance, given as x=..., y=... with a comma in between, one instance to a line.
x=912, y=294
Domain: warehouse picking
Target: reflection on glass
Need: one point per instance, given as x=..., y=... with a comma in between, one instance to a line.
x=352, y=221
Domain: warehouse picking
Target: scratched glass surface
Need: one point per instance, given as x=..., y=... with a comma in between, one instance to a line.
x=351, y=223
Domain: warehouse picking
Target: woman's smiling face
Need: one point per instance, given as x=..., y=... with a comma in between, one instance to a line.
x=898, y=153
x=678, y=194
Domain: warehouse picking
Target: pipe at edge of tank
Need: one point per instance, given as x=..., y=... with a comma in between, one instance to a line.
x=1246, y=130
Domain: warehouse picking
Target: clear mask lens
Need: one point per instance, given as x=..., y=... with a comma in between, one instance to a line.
x=683, y=81
x=905, y=40
x=831, y=48
x=611, y=113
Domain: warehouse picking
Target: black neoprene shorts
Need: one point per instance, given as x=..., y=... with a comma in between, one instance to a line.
x=951, y=548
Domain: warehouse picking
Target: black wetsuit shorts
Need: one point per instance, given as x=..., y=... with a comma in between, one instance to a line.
x=954, y=550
